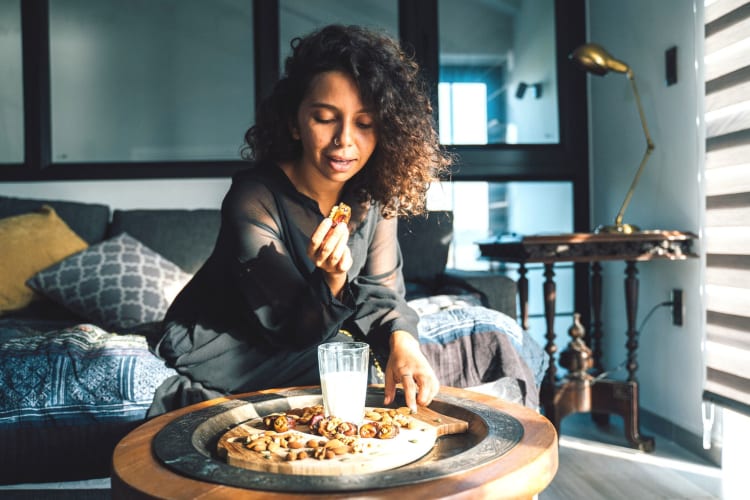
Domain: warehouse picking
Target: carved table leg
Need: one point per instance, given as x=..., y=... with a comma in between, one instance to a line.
x=631, y=305
x=621, y=398
x=597, y=331
x=573, y=394
x=549, y=382
x=523, y=296
x=632, y=426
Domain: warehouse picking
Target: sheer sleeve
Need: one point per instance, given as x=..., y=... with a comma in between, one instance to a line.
x=379, y=290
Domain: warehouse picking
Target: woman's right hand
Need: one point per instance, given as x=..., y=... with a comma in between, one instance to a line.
x=329, y=251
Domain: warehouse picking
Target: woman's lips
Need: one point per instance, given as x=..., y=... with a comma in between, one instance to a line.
x=340, y=164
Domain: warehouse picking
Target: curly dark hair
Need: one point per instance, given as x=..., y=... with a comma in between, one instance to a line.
x=408, y=156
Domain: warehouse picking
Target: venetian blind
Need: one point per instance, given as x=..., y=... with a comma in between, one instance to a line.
x=727, y=228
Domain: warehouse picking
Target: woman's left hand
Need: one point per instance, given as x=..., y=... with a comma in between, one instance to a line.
x=409, y=367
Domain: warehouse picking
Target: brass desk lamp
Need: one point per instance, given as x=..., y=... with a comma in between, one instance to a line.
x=594, y=59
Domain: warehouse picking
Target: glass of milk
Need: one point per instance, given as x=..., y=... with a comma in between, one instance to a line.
x=343, y=379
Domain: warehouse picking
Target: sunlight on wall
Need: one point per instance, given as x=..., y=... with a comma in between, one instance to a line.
x=736, y=444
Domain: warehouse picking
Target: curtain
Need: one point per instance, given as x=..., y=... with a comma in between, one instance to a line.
x=727, y=184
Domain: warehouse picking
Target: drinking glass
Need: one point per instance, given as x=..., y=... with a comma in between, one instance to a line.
x=343, y=379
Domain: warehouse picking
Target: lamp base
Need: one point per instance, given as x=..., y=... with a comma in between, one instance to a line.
x=618, y=228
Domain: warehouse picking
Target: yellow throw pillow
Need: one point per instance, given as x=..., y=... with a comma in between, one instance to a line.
x=29, y=243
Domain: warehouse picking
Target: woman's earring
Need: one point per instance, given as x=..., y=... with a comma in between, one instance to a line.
x=336, y=141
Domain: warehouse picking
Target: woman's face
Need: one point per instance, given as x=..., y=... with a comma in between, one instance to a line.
x=336, y=130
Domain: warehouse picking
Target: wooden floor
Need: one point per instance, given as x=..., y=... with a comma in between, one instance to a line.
x=596, y=463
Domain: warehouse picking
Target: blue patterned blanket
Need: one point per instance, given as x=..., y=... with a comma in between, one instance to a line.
x=471, y=346
x=75, y=375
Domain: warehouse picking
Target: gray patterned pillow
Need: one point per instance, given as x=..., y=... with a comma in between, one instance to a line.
x=118, y=283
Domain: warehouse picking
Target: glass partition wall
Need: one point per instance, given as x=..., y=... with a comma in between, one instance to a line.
x=498, y=75
x=167, y=88
x=297, y=17
x=166, y=80
x=11, y=83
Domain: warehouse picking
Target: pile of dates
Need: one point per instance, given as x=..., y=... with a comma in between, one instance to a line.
x=381, y=423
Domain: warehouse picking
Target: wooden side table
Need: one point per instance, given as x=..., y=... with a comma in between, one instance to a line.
x=520, y=472
x=600, y=396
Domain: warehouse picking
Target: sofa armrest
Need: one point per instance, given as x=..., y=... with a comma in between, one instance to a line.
x=498, y=291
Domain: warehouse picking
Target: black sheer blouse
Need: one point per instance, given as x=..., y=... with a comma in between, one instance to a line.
x=253, y=315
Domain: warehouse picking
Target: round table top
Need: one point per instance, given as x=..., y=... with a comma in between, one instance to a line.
x=521, y=472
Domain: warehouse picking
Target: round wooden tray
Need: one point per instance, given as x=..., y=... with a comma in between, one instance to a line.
x=187, y=444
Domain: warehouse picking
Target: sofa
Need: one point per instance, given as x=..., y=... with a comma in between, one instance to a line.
x=83, y=288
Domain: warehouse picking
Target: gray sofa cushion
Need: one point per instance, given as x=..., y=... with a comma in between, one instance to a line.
x=87, y=220
x=185, y=237
x=425, y=241
x=497, y=291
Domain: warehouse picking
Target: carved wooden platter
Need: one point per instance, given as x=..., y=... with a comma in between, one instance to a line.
x=367, y=455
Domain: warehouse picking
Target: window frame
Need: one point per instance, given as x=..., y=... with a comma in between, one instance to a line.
x=566, y=160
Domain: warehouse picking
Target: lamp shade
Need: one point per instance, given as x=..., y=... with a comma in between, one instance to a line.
x=595, y=59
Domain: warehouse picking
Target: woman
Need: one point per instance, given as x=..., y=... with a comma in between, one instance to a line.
x=349, y=122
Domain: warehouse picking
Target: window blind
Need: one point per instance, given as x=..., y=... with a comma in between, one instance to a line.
x=727, y=188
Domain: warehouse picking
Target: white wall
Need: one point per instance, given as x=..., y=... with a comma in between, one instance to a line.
x=161, y=193
x=669, y=195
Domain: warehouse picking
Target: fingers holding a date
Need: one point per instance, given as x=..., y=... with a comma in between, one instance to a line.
x=328, y=247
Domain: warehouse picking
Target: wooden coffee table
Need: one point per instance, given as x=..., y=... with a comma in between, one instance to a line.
x=520, y=470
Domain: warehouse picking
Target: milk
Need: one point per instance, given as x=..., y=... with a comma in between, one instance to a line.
x=344, y=395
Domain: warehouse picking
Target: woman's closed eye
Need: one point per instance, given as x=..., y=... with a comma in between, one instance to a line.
x=364, y=125
x=322, y=119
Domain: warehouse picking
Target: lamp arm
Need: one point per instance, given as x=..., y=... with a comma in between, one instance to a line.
x=646, y=154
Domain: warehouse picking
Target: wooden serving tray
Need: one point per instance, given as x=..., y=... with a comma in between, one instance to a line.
x=186, y=443
x=377, y=454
